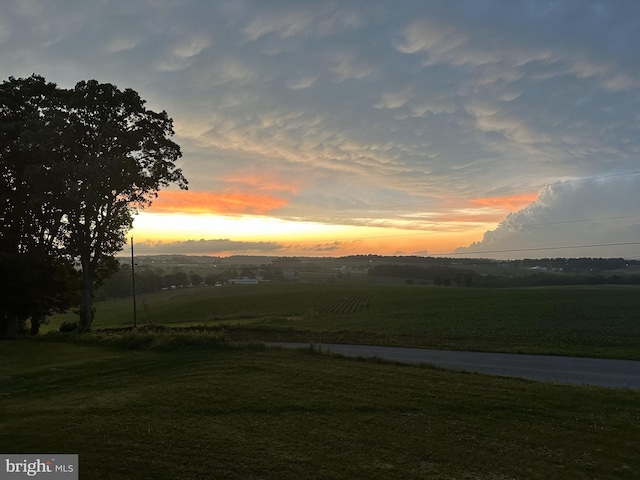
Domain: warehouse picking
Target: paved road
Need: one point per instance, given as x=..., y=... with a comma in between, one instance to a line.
x=549, y=368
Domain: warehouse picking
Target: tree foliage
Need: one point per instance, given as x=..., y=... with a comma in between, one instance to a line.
x=37, y=276
x=76, y=164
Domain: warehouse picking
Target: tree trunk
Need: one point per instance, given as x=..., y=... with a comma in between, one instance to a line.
x=86, y=298
x=9, y=326
x=36, y=320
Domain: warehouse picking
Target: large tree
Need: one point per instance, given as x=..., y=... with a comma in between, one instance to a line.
x=36, y=275
x=106, y=156
x=31, y=211
x=118, y=155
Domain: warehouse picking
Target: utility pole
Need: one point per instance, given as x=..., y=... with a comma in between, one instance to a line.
x=133, y=286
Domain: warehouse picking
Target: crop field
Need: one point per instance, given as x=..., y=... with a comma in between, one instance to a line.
x=192, y=408
x=586, y=321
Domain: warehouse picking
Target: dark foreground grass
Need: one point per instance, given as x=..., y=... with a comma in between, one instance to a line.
x=173, y=410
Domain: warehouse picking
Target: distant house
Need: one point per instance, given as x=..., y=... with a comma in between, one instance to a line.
x=244, y=281
x=290, y=274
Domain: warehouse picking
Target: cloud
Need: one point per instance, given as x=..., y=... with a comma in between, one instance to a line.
x=315, y=248
x=316, y=110
x=5, y=30
x=394, y=100
x=180, y=55
x=509, y=202
x=263, y=182
x=570, y=214
x=317, y=19
x=120, y=44
x=301, y=82
x=224, y=203
x=205, y=247
x=467, y=119
x=432, y=36
x=283, y=23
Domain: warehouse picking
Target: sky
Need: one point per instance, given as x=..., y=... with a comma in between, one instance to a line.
x=485, y=128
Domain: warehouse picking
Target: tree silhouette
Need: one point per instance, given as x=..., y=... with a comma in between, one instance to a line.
x=37, y=275
x=118, y=154
x=77, y=164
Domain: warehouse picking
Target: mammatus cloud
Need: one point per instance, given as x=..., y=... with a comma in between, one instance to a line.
x=301, y=83
x=319, y=19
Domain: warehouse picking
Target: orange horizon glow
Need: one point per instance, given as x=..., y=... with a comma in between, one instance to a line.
x=297, y=238
x=201, y=220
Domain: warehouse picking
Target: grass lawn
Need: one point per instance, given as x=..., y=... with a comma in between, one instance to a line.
x=585, y=321
x=198, y=412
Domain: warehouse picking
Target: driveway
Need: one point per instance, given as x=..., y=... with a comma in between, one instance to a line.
x=549, y=368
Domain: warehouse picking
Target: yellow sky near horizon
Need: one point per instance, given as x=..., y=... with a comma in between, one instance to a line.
x=296, y=238
x=249, y=221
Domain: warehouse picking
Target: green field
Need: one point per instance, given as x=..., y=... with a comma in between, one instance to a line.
x=585, y=321
x=190, y=408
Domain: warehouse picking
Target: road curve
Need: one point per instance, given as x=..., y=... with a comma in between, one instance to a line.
x=549, y=368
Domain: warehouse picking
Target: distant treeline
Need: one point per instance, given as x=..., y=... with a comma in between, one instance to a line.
x=442, y=275
x=575, y=265
x=565, y=264
x=153, y=279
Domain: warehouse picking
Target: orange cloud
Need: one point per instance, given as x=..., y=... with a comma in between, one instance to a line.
x=510, y=202
x=460, y=220
x=215, y=203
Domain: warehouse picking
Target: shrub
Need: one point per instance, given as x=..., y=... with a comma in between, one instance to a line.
x=68, y=327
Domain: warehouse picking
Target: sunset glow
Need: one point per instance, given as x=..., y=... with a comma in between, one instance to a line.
x=329, y=128
x=163, y=233
x=188, y=202
x=179, y=216
x=510, y=203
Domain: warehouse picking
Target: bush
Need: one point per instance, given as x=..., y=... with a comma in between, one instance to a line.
x=157, y=338
x=68, y=327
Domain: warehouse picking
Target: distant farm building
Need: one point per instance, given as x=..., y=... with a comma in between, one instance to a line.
x=290, y=275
